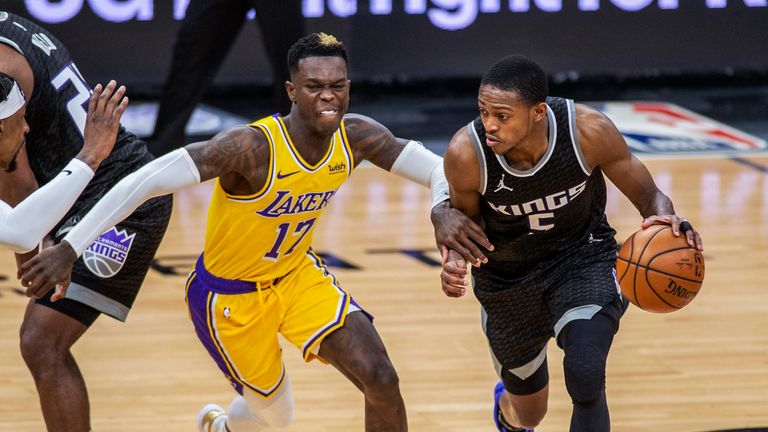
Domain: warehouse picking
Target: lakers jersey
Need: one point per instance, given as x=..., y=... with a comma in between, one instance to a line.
x=263, y=236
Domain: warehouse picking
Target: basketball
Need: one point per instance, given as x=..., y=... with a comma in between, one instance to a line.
x=657, y=271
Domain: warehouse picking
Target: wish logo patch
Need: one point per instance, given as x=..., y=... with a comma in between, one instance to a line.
x=107, y=254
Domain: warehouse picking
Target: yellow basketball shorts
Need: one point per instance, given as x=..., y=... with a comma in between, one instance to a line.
x=238, y=321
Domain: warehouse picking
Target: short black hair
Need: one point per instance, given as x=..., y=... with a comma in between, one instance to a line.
x=6, y=85
x=517, y=73
x=315, y=45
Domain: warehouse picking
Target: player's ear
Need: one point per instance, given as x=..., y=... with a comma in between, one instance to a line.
x=291, y=90
x=540, y=111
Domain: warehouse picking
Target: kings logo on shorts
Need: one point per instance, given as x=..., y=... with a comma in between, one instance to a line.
x=107, y=254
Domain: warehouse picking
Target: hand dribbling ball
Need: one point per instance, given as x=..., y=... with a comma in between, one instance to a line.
x=657, y=271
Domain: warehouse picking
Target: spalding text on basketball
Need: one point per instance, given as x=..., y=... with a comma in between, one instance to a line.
x=678, y=291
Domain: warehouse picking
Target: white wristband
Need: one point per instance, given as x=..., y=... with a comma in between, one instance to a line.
x=440, y=189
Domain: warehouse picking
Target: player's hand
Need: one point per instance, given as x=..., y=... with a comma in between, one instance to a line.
x=105, y=109
x=51, y=268
x=679, y=225
x=453, y=277
x=455, y=231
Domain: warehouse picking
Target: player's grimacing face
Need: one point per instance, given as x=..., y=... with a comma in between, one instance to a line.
x=506, y=118
x=12, y=137
x=321, y=91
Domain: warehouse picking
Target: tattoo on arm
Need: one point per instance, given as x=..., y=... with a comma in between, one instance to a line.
x=241, y=151
x=372, y=141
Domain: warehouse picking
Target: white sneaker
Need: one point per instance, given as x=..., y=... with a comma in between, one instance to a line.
x=211, y=419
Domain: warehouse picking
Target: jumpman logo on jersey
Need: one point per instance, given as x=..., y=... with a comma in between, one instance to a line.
x=502, y=186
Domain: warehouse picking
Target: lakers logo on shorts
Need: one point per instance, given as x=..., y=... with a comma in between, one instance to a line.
x=107, y=254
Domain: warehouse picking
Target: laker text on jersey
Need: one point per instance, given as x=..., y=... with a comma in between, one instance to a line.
x=284, y=203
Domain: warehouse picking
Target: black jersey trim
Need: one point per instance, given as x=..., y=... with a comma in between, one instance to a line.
x=552, y=130
x=480, y=156
x=575, y=137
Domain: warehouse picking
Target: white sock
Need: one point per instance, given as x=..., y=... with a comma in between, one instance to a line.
x=240, y=418
x=253, y=413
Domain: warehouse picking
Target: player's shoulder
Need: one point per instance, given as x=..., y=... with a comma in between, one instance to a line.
x=240, y=139
x=460, y=146
x=358, y=124
x=597, y=134
x=362, y=130
x=589, y=120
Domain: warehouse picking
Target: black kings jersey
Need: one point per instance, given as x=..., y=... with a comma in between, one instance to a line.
x=535, y=217
x=57, y=110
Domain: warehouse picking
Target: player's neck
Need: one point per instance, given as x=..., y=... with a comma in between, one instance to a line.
x=311, y=144
x=531, y=149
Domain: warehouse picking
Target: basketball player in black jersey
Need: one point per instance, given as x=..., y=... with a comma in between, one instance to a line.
x=108, y=278
x=530, y=168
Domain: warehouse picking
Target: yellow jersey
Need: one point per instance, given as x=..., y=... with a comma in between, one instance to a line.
x=264, y=236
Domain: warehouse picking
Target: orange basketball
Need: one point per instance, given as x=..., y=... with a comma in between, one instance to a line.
x=657, y=271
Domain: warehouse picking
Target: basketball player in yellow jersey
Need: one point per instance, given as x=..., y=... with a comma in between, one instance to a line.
x=257, y=275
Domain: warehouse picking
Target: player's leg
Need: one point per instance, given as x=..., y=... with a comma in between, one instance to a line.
x=105, y=280
x=325, y=324
x=521, y=396
x=282, y=24
x=516, y=321
x=237, y=323
x=203, y=41
x=250, y=412
x=47, y=335
x=587, y=307
x=586, y=343
x=357, y=351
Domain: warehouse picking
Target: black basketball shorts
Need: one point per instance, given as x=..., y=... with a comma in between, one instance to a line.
x=520, y=313
x=107, y=277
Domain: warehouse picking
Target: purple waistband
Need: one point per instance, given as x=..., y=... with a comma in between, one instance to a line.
x=224, y=286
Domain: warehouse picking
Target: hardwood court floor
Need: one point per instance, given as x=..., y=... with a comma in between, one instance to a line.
x=699, y=369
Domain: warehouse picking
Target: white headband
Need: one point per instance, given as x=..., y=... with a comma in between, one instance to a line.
x=14, y=102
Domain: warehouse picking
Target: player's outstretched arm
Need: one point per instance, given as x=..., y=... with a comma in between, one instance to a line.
x=225, y=155
x=22, y=227
x=409, y=159
x=604, y=147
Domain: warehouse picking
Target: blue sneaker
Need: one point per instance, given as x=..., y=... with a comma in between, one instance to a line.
x=497, y=391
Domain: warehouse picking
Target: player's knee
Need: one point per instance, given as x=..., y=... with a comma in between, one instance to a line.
x=36, y=348
x=279, y=415
x=251, y=410
x=584, y=367
x=379, y=378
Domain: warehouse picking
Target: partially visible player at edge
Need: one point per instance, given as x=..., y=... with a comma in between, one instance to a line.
x=23, y=226
x=258, y=275
x=530, y=168
x=56, y=95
